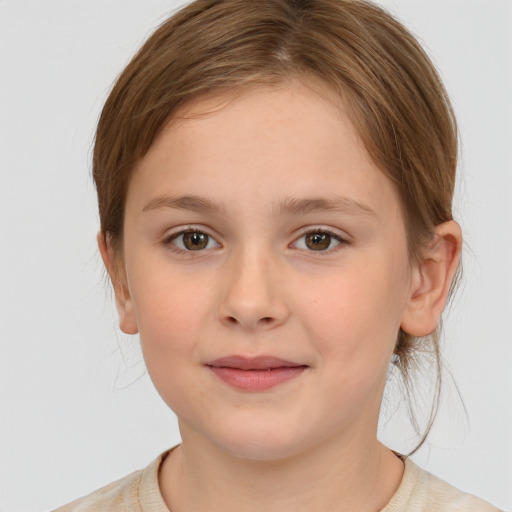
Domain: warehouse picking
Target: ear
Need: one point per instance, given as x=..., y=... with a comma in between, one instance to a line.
x=431, y=280
x=124, y=304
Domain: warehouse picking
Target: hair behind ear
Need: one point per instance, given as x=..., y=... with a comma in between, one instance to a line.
x=437, y=276
x=112, y=260
x=432, y=280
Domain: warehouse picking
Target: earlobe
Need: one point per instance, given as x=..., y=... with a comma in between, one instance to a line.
x=432, y=279
x=124, y=304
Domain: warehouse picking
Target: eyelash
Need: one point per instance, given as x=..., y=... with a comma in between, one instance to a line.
x=324, y=231
x=316, y=230
x=169, y=239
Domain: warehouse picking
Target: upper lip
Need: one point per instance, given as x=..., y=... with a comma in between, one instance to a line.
x=252, y=363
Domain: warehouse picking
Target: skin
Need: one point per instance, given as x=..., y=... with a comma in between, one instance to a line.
x=257, y=288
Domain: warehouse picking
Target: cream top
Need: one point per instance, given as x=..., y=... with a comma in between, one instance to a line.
x=419, y=491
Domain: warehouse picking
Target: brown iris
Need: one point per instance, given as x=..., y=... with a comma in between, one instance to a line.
x=195, y=241
x=318, y=241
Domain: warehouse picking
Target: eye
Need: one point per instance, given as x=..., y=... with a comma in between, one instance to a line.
x=192, y=240
x=319, y=240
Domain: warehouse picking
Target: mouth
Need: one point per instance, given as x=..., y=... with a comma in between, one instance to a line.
x=255, y=373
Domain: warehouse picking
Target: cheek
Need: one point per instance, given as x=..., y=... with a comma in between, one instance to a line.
x=171, y=320
x=170, y=313
x=353, y=322
x=355, y=315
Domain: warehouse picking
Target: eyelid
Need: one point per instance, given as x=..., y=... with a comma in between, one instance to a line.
x=335, y=234
x=170, y=237
x=340, y=237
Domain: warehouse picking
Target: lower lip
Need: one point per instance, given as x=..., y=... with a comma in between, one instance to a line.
x=256, y=380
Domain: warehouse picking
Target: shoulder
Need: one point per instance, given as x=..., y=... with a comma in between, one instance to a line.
x=420, y=491
x=137, y=492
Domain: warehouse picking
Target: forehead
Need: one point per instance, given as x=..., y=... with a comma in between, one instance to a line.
x=292, y=140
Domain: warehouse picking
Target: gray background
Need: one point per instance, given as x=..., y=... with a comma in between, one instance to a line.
x=76, y=408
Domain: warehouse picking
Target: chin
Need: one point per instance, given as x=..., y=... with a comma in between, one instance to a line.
x=263, y=451
x=261, y=444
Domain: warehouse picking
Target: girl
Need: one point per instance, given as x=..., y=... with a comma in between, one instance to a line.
x=275, y=182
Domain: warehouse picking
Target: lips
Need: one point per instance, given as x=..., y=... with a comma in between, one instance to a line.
x=255, y=373
x=252, y=363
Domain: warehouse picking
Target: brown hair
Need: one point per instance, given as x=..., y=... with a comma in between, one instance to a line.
x=394, y=95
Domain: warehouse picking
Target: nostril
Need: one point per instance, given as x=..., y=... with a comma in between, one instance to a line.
x=265, y=320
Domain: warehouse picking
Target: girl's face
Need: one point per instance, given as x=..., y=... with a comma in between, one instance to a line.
x=263, y=230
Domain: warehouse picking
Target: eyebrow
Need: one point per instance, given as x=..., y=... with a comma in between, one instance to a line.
x=341, y=204
x=289, y=206
x=187, y=202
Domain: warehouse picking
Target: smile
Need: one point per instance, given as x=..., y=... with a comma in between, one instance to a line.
x=255, y=374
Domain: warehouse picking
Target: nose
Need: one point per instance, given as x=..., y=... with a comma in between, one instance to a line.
x=253, y=294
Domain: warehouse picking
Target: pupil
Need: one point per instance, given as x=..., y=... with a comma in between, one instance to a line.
x=318, y=241
x=195, y=241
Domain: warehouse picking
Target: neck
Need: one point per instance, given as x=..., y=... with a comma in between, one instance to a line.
x=360, y=475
